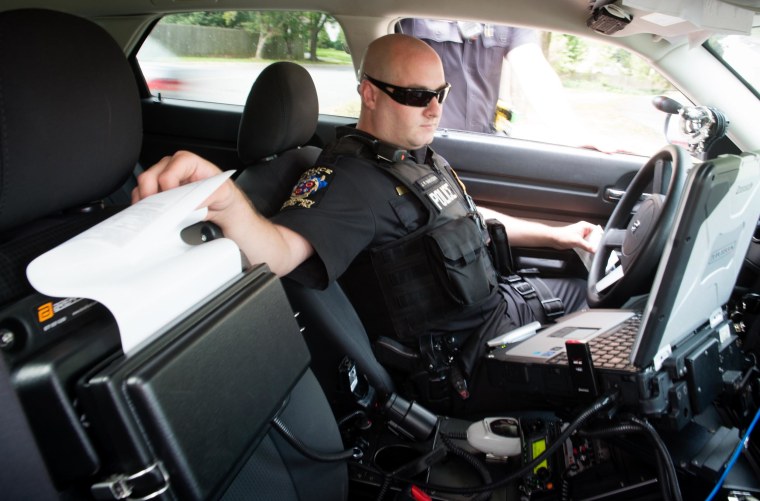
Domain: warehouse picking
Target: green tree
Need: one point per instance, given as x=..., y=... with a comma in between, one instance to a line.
x=268, y=25
x=277, y=34
x=294, y=34
x=575, y=51
x=315, y=22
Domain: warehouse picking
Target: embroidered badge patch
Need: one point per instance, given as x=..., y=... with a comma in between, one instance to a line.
x=310, y=188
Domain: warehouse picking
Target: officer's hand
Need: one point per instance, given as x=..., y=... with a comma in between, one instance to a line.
x=581, y=234
x=182, y=168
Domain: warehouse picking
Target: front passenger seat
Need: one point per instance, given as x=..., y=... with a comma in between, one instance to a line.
x=279, y=119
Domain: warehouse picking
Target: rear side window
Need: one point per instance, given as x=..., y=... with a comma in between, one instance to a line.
x=545, y=86
x=214, y=57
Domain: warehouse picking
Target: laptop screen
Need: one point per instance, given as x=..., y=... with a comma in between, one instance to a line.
x=714, y=225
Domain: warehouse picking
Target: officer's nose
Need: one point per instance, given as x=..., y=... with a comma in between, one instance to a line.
x=433, y=108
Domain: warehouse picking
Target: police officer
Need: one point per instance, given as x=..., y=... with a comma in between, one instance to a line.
x=472, y=55
x=380, y=200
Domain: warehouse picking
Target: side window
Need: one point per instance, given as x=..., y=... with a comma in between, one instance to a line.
x=547, y=87
x=214, y=57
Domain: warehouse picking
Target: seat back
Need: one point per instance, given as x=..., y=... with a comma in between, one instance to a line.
x=60, y=94
x=329, y=314
x=279, y=119
x=71, y=135
x=280, y=116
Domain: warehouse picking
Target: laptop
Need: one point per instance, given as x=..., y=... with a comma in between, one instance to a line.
x=713, y=227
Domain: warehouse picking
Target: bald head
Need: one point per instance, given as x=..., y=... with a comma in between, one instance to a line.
x=402, y=62
x=390, y=57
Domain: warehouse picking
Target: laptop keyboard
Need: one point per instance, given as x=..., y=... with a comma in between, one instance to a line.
x=611, y=349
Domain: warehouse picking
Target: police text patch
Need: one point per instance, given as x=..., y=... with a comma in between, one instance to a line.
x=310, y=188
x=442, y=196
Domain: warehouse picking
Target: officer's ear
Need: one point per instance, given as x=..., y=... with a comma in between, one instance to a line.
x=368, y=93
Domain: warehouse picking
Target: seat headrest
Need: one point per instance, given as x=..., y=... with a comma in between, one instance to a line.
x=281, y=112
x=70, y=119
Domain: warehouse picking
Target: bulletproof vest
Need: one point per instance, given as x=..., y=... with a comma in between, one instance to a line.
x=429, y=275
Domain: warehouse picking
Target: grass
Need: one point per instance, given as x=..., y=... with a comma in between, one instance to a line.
x=334, y=56
x=326, y=56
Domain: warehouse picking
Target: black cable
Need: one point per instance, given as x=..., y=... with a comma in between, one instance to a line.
x=456, y=435
x=662, y=448
x=349, y=417
x=418, y=465
x=322, y=457
x=597, y=406
x=384, y=487
x=473, y=461
x=387, y=477
x=662, y=473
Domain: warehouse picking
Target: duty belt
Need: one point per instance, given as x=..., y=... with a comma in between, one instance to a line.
x=545, y=306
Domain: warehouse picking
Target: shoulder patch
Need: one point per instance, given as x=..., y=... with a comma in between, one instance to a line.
x=310, y=188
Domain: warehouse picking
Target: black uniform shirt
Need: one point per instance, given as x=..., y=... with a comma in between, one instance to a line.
x=346, y=207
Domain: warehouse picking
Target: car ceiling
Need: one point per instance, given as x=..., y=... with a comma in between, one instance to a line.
x=553, y=14
x=126, y=19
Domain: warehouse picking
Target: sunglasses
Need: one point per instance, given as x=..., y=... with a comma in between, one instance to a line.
x=418, y=98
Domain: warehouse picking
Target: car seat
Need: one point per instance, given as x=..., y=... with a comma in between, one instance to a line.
x=70, y=136
x=279, y=119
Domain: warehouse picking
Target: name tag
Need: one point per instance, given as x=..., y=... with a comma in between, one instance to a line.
x=427, y=181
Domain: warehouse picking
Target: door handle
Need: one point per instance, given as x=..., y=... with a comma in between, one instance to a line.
x=615, y=195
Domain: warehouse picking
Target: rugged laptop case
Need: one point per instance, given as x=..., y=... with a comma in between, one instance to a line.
x=179, y=418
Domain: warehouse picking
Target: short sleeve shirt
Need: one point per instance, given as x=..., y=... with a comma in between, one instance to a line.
x=472, y=67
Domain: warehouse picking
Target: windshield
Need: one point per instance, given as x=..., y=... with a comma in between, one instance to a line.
x=741, y=53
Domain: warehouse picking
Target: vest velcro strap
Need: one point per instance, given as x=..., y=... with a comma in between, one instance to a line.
x=554, y=308
x=521, y=286
x=545, y=306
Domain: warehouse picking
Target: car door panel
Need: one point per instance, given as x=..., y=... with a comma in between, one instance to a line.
x=208, y=130
x=536, y=180
x=543, y=182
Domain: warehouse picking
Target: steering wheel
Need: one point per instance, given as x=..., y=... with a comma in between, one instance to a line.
x=638, y=240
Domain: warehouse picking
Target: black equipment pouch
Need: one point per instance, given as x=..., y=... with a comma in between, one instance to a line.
x=542, y=301
x=463, y=269
x=499, y=247
x=427, y=278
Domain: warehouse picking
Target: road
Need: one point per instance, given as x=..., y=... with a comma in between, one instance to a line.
x=230, y=82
